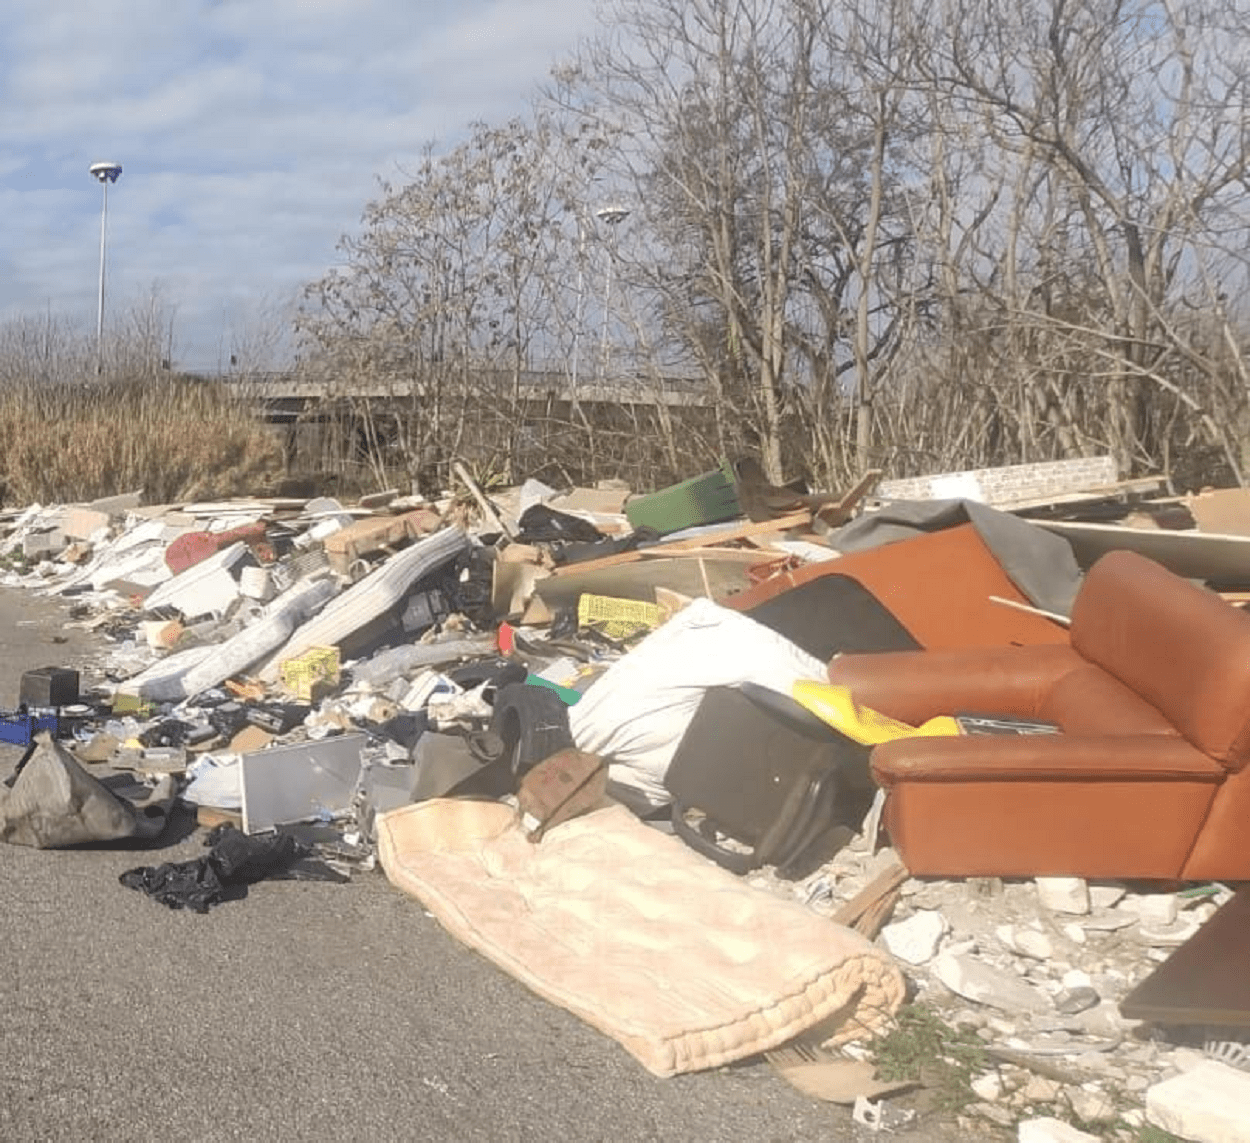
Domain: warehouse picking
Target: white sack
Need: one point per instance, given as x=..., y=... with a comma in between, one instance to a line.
x=636, y=713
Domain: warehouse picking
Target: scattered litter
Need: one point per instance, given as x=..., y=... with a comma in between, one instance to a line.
x=315, y=677
x=233, y=863
x=866, y=1113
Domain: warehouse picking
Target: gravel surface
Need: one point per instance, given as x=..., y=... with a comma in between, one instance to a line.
x=306, y=1011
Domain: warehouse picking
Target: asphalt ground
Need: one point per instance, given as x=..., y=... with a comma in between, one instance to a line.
x=305, y=1011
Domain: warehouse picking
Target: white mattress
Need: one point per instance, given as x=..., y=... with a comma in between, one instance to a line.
x=684, y=964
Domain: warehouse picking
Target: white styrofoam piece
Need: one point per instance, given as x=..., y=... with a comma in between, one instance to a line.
x=206, y=587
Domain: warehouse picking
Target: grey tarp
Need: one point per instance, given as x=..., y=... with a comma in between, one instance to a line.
x=1038, y=562
x=55, y=802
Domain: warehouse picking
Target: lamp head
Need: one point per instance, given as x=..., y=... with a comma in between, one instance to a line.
x=612, y=214
x=106, y=172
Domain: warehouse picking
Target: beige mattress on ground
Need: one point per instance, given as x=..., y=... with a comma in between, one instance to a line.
x=683, y=963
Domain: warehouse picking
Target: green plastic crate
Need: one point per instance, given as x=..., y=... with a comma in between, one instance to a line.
x=705, y=499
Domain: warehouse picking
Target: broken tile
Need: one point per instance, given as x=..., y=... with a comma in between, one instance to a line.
x=1074, y=932
x=1156, y=910
x=1040, y=1089
x=1048, y=1130
x=1064, y=894
x=1105, y=896
x=1091, y=1106
x=916, y=939
x=975, y=980
x=989, y=1087
x=83, y=523
x=1207, y=1104
x=1026, y=942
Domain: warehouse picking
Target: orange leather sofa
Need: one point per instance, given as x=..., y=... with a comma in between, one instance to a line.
x=1149, y=777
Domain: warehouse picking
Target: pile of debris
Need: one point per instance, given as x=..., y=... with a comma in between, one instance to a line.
x=781, y=767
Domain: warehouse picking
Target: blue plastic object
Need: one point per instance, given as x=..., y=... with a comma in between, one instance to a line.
x=20, y=729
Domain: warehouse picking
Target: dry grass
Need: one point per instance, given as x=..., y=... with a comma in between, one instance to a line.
x=173, y=438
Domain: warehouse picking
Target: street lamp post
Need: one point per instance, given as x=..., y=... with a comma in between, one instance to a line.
x=612, y=216
x=580, y=305
x=104, y=173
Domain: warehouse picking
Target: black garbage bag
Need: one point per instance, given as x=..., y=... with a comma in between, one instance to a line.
x=168, y=732
x=542, y=525
x=576, y=553
x=234, y=862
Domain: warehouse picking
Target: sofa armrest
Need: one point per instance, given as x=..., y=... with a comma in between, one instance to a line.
x=1043, y=757
x=914, y=686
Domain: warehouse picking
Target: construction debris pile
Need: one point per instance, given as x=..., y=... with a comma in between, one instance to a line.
x=728, y=769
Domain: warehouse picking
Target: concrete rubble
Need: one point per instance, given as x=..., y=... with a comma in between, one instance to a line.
x=361, y=626
x=1207, y=1103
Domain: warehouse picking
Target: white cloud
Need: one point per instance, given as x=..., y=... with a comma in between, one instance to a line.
x=251, y=135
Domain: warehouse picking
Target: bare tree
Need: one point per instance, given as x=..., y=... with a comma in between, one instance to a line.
x=1130, y=116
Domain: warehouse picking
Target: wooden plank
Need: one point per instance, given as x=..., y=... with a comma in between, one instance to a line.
x=713, y=578
x=595, y=565
x=749, y=556
x=209, y=816
x=488, y=509
x=835, y=515
x=1121, y=490
x=694, y=548
x=1222, y=511
x=871, y=898
x=742, y=531
x=734, y=555
x=1204, y=981
x=874, y=918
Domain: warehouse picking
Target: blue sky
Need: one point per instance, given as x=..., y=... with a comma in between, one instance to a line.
x=251, y=133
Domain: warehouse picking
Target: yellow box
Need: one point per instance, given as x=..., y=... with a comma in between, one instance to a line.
x=617, y=618
x=311, y=674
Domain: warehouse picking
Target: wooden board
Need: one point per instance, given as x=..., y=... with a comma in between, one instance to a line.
x=748, y=556
x=694, y=577
x=701, y=545
x=1222, y=511
x=744, y=531
x=1205, y=980
x=1195, y=555
x=1122, y=491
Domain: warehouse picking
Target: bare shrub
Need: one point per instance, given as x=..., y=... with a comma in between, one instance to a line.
x=173, y=438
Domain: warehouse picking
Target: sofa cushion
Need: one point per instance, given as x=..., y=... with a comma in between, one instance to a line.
x=1088, y=701
x=1178, y=646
